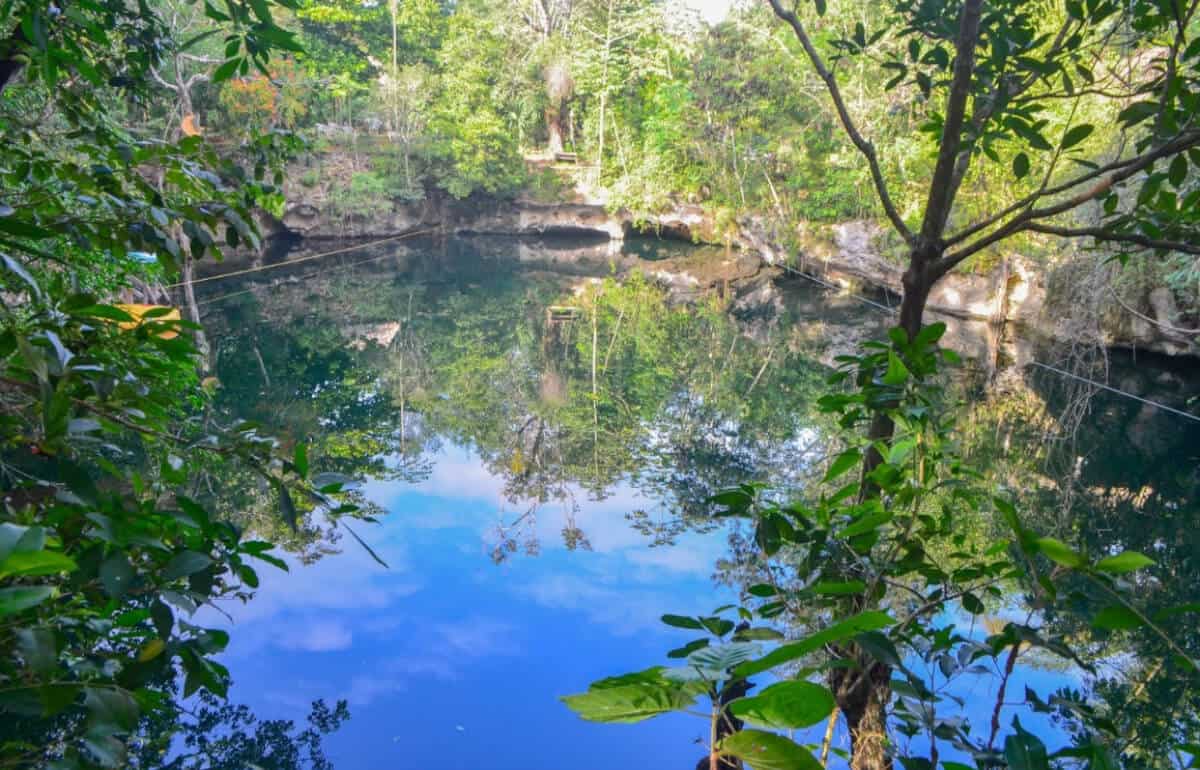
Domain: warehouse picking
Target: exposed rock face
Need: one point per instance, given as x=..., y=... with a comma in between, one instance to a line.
x=311, y=218
x=530, y=218
x=1014, y=292
x=307, y=219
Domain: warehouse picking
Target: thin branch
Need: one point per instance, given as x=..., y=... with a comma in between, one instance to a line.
x=865, y=147
x=1026, y=219
x=1148, y=319
x=1110, y=236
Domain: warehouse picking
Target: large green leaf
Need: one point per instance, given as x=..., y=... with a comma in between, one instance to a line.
x=1060, y=553
x=1127, y=561
x=682, y=621
x=33, y=563
x=1117, y=617
x=786, y=705
x=22, y=598
x=1076, y=135
x=842, y=463
x=186, y=563
x=768, y=751
x=632, y=698
x=718, y=660
x=1024, y=751
x=867, y=621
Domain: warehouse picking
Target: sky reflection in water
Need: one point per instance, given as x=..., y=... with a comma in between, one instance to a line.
x=447, y=659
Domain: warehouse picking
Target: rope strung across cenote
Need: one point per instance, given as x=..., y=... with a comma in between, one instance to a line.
x=1048, y=367
x=310, y=257
x=1111, y=389
x=314, y=274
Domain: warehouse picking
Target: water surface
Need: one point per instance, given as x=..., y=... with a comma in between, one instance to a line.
x=538, y=446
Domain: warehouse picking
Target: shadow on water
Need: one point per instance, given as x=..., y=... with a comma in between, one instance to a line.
x=507, y=396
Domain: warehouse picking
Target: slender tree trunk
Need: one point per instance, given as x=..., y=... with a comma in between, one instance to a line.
x=604, y=89
x=554, y=143
x=193, y=310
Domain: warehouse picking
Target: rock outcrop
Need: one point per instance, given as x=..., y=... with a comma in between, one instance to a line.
x=846, y=254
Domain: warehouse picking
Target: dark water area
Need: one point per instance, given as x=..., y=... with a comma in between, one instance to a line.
x=538, y=440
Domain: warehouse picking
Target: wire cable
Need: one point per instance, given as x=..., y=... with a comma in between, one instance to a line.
x=1048, y=367
x=259, y=268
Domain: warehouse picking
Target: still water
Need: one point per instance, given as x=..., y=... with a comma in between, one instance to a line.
x=537, y=446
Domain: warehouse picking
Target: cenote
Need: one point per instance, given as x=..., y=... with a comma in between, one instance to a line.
x=538, y=437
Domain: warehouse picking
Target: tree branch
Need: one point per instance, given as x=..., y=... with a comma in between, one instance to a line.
x=1111, y=236
x=864, y=147
x=942, y=189
x=1121, y=171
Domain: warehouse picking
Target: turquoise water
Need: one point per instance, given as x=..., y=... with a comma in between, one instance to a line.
x=540, y=482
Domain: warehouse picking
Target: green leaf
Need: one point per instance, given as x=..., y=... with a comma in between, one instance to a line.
x=1117, y=618
x=33, y=563
x=867, y=621
x=768, y=751
x=1076, y=135
x=116, y=575
x=287, y=505
x=1060, y=553
x=110, y=710
x=718, y=660
x=1127, y=561
x=835, y=588
x=38, y=648
x=632, y=698
x=717, y=626
x=842, y=463
x=758, y=634
x=897, y=373
x=1020, y=165
x=868, y=523
x=226, y=70
x=300, y=459
x=688, y=649
x=1025, y=751
x=786, y=705
x=106, y=312
x=679, y=621
x=22, y=598
x=1177, y=171
x=186, y=563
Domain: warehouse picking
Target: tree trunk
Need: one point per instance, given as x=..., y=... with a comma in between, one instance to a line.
x=554, y=142
x=10, y=62
x=193, y=310
x=868, y=731
x=918, y=281
x=862, y=692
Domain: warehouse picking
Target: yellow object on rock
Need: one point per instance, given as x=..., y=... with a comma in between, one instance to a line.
x=139, y=317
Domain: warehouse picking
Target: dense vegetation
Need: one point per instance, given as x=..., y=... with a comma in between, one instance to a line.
x=137, y=139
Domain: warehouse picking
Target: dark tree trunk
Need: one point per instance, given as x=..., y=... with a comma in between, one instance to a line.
x=862, y=693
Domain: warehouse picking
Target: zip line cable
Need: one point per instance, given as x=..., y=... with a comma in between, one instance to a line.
x=1111, y=389
x=259, y=268
x=1048, y=367
x=314, y=274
